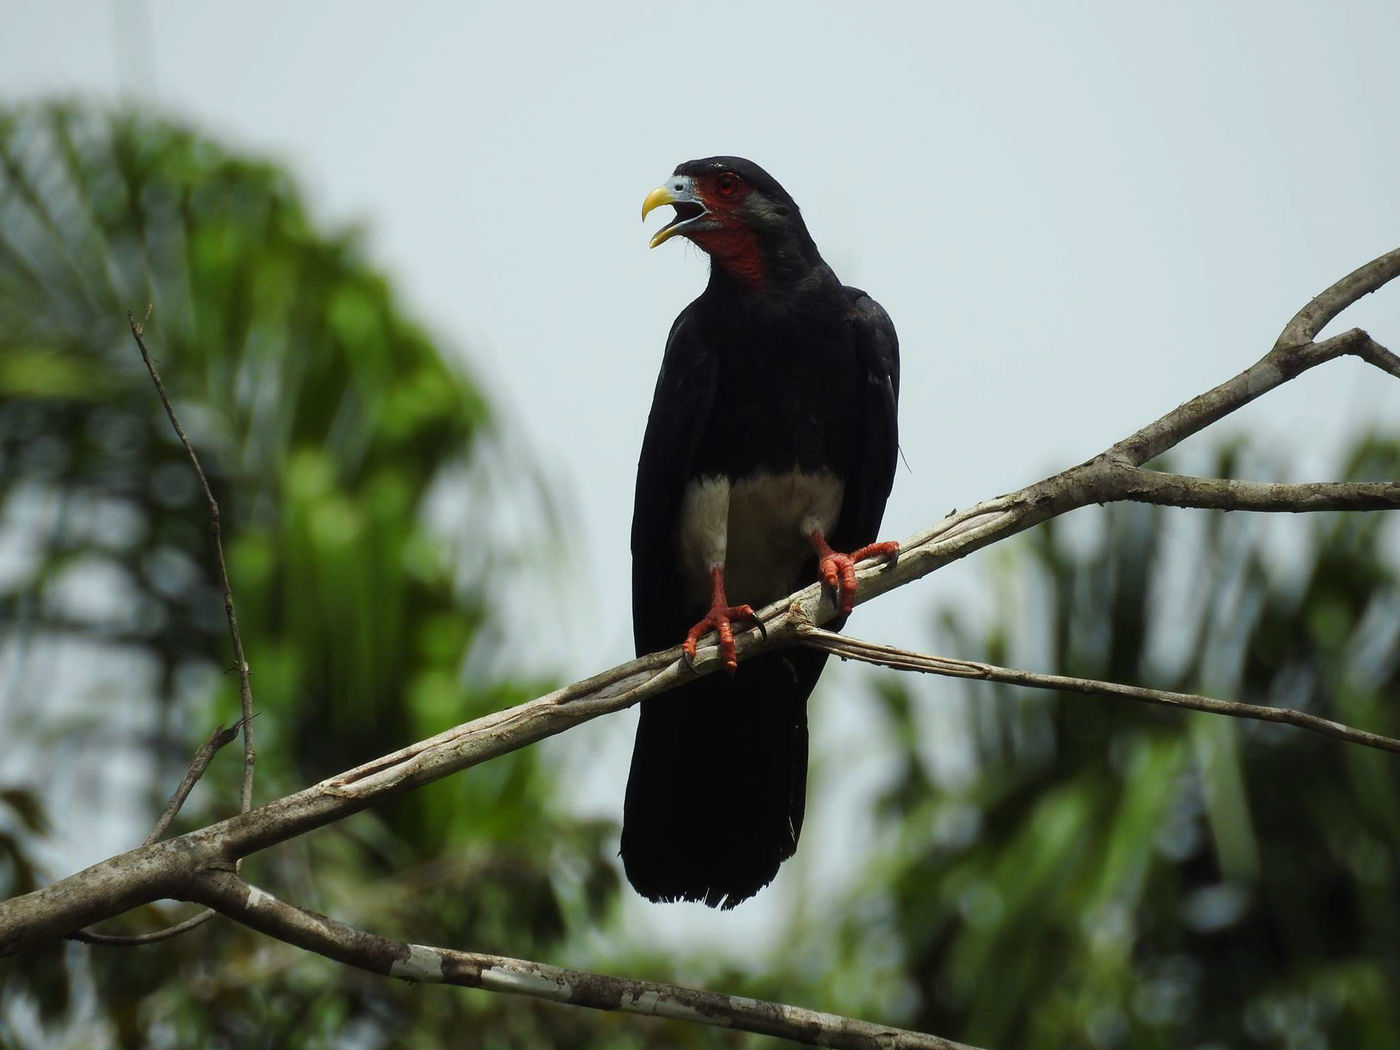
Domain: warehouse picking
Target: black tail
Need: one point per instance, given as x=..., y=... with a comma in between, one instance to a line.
x=719, y=782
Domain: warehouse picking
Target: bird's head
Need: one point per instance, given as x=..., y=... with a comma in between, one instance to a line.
x=740, y=216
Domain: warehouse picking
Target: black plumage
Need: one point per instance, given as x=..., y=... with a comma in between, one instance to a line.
x=778, y=387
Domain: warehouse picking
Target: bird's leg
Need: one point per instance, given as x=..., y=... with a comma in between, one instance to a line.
x=839, y=570
x=718, y=619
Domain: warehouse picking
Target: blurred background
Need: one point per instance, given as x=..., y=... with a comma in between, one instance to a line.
x=404, y=305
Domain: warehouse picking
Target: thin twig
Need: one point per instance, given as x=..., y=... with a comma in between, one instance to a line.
x=221, y=736
x=849, y=648
x=247, y=904
x=198, y=765
x=245, y=689
x=1373, y=353
x=135, y=940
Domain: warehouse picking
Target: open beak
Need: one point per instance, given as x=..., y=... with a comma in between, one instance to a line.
x=679, y=192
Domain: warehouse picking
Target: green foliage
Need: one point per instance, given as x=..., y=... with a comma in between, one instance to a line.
x=326, y=421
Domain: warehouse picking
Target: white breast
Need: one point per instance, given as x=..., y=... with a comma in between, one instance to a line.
x=757, y=529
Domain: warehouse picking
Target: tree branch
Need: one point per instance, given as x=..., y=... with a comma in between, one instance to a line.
x=220, y=737
x=229, y=894
x=1278, y=366
x=198, y=765
x=136, y=940
x=849, y=648
x=1178, y=490
x=1325, y=306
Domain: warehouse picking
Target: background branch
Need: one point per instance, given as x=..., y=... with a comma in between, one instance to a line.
x=220, y=736
x=136, y=940
x=198, y=765
x=245, y=688
x=253, y=907
x=849, y=648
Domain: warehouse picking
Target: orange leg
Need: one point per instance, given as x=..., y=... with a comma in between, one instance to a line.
x=839, y=570
x=718, y=620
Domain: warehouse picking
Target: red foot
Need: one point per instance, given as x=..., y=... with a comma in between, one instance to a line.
x=718, y=620
x=839, y=570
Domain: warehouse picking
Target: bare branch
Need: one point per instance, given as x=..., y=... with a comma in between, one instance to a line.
x=850, y=648
x=1364, y=280
x=245, y=689
x=136, y=940
x=1278, y=366
x=198, y=765
x=1177, y=490
x=1373, y=353
x=221, y=736
x=253, y=907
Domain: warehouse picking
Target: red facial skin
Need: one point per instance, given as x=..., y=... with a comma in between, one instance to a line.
x=734, y=245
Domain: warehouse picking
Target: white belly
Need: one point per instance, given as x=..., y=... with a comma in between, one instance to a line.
x=757, y=529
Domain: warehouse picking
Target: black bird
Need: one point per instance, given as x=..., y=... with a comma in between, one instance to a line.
x=771, y=447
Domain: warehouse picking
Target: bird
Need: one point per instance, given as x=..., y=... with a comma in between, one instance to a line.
x=768, y=457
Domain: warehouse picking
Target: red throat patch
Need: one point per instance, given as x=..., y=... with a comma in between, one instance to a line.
x=735, y=247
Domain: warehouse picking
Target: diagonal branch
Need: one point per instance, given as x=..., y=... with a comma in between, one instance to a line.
x=1284, y=362
x=849, y=648
x=1325, y=306
x=229, y=894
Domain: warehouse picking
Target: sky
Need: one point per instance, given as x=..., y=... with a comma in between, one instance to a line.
x=1078, y=216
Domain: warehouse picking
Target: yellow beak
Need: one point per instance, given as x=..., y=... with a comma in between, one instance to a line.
x=655, y=199
x=691, y=213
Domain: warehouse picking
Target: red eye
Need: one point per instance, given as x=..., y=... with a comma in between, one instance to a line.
x=727, y=184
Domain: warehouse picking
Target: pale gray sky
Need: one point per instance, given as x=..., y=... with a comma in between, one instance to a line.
x=1077, y=215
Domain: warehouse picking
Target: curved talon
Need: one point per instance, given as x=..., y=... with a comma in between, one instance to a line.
x=718, y=619
x=839, y=570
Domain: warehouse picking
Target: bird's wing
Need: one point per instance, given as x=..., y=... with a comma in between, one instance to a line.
x=877, y=351
x=685, y=391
